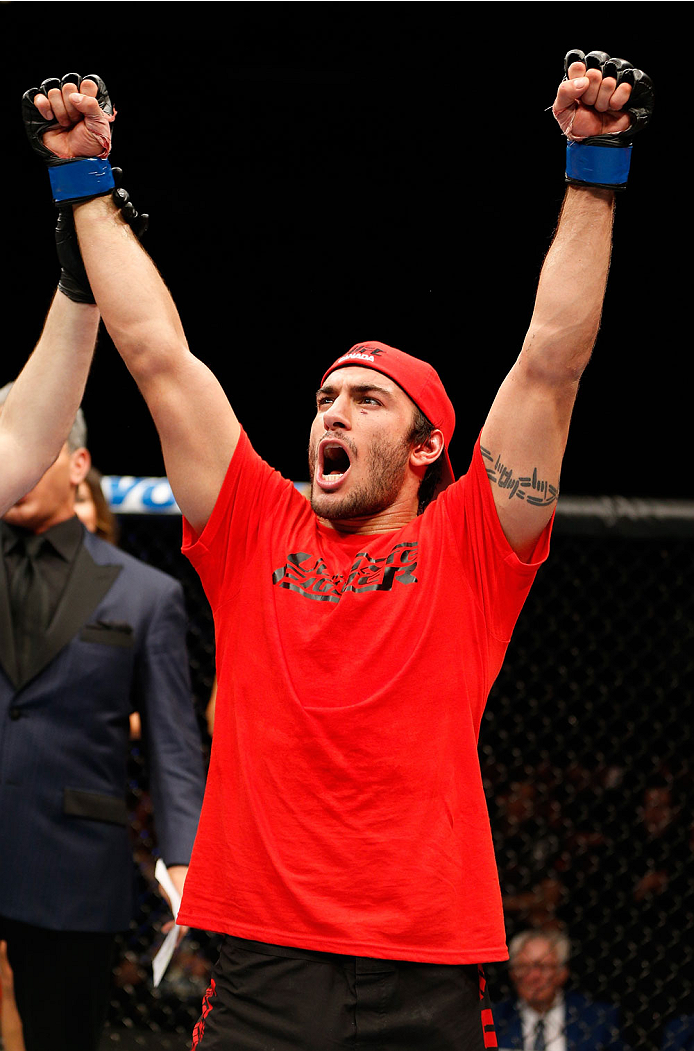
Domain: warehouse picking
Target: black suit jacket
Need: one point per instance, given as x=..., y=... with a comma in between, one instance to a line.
x=116, y=643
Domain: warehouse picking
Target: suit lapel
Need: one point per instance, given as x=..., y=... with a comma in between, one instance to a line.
x=87, y=585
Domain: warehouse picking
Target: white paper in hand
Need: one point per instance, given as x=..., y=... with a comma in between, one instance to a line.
x=162, y=958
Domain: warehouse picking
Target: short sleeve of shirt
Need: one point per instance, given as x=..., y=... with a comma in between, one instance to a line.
x=501, y=579
x=252, y=494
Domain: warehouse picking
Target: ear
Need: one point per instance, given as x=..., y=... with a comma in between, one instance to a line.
x=80, y=462
x=428, y=452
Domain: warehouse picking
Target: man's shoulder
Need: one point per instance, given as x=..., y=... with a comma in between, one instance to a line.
x=579, y=1004
x=106, y=554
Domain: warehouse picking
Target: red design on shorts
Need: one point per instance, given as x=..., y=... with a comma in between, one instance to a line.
x=488, y=1029
x=207, y=1005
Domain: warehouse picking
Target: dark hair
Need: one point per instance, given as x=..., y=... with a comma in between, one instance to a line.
x=420, y=431
x=106, y=522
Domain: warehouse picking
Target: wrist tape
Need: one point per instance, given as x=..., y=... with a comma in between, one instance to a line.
x=81, y=179
x=606, y=166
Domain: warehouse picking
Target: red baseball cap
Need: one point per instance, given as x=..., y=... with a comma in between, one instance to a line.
x=419, y=380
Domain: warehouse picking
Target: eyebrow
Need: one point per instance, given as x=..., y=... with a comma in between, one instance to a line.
x=357, y=388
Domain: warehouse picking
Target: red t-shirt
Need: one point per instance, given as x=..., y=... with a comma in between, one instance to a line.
x=344, y=808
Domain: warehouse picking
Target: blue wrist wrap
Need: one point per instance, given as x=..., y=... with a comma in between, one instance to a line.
x=598, y=165
x=80, y=179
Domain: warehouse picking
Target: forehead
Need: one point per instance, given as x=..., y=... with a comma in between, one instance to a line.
x=536, y=949
x=357, y=377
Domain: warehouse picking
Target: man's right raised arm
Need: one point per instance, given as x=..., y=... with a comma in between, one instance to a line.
x=69, y=129
x=196, y=424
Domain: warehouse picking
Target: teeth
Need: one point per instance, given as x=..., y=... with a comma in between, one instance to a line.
x=333, y=477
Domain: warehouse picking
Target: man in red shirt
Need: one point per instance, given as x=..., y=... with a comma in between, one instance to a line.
x=344, y=846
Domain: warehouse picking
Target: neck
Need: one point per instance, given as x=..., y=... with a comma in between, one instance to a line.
x=14, y=517
x=388, y=521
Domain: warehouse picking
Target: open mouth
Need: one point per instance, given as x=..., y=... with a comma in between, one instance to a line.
x=333, y=464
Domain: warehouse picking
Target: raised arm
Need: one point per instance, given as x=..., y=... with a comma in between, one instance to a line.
x=195, y=422
x=40, y=409
x=524, y=437
x=196, y=425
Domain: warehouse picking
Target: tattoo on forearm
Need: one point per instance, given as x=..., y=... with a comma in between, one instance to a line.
x=531, y=488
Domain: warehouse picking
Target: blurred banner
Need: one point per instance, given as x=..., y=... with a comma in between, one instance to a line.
x=129, y=495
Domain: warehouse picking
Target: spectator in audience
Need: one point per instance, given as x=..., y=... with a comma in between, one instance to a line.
x=91, y=507
x=655, y=912
x=527, y=848
x=11, y=1037
x=543, y=1016
x=211, y=706
x=659, y=841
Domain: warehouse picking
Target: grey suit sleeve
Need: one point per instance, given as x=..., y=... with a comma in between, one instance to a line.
x=170, y=729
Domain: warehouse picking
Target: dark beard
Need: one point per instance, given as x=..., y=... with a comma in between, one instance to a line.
x=387, y=464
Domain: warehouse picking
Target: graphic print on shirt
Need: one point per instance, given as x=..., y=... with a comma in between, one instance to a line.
x=308, y=574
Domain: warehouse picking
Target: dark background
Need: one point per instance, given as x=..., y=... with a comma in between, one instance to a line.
x=327, y=173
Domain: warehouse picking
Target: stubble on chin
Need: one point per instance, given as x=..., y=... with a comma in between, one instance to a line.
x=386, y=472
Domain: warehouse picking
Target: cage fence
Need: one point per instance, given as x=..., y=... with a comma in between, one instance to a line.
x=586, y=755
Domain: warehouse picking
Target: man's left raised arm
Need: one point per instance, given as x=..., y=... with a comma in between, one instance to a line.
x=600, y=105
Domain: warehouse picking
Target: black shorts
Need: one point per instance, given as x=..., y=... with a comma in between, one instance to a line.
x=272, y=998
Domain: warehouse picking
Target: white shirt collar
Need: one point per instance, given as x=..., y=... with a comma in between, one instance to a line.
x=554, y=1019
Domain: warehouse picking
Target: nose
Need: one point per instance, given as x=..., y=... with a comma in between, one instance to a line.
x=337, y=415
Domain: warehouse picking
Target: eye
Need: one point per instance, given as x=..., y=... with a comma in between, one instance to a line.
x=323, y=400
x=368, y=400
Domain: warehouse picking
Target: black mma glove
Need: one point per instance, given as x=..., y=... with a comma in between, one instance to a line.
x=73, y=281
x=604, y=160
x=73, y=178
